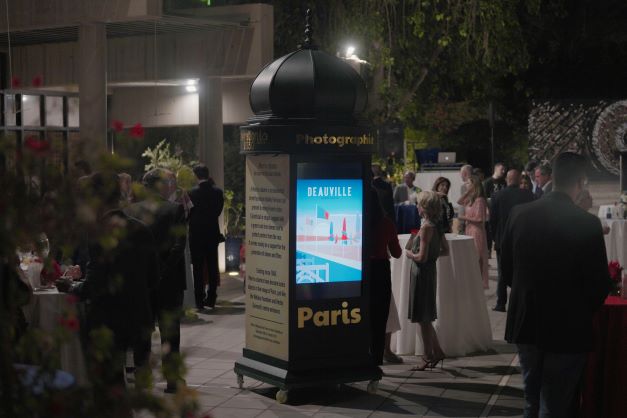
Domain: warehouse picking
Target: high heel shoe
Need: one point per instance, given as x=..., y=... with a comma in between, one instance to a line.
x=433, y=363
x=426, y=363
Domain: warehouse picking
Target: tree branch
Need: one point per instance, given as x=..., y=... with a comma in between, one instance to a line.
x=424, y=71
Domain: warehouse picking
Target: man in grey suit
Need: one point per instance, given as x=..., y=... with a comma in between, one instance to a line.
x=553, y=257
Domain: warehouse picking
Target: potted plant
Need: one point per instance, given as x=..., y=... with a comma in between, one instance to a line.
x=233, y=231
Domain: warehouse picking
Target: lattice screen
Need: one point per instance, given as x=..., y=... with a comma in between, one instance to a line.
x=597, y=129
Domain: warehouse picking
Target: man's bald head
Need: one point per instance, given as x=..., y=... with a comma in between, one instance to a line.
x=513, y=178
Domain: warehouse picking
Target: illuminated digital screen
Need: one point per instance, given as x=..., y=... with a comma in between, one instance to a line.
x=329, y=230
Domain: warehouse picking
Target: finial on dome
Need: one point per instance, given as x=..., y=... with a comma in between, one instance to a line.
x=308, y=44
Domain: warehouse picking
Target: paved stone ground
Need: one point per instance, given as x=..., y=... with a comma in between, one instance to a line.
x=480, y=385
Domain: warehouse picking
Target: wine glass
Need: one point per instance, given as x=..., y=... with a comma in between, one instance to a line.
x=43, y=246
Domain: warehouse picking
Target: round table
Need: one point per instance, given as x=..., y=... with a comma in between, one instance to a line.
x=615, y=240
x=614, y=209
x=463, y=325
x=43, y=312
x=605, y=379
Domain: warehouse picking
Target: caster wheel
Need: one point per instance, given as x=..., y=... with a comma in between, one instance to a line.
x=281, y=396
x=373, y=385
x=240, y=381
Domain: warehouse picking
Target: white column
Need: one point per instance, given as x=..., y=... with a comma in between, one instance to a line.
x=92, y=84
x=210, y=147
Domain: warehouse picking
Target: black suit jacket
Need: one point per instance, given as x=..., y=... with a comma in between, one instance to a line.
x=208, y=202
x=121, y=272
x=553, y=256
x=386, y=196
x=166, y=221
x=501, y=206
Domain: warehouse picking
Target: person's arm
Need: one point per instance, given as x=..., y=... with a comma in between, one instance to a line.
x=397, y=195
x=179, y=231
x=393, y=245
x=426, y=233
x=444, y=250
x=507, y=251
x=487, y=187
x=480, y=212
x=145, y=241
x=463, y=199
x=220, y=202
x=494, y=211
x=598, y=285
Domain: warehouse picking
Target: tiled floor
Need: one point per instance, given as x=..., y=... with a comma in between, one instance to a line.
x=485, y=384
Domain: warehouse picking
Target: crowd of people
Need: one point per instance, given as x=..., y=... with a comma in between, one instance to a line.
x=131, y=270
x=550, y=252
x=129, y=265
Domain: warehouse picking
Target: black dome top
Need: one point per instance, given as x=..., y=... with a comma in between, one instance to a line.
x=310, y=84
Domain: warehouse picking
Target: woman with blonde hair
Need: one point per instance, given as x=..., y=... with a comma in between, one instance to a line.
x=475, y=214
x=426, y=247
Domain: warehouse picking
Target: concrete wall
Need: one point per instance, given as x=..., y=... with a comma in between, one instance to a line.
x=31, y=14
x=233, y=51
x=173, y=106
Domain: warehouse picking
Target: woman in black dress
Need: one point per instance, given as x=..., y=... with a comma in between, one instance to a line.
x=441, y=186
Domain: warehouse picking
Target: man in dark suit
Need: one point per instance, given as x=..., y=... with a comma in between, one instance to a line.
x=384, y=191
x=500, y=207
x=553, y=256
x=166, y=221
x=544, y=182
x=204, y=233
x=491, y=186
x=121, y=272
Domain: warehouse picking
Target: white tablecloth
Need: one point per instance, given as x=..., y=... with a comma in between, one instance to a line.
x=43, y=312
x=615, y=210
x=615, y=240
x=463, y=325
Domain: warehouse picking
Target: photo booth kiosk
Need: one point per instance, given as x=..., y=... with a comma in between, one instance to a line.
x=307, y=186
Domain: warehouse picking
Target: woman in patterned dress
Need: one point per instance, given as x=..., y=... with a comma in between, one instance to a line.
x=475, y=214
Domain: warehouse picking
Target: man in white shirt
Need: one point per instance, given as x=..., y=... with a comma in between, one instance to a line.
x=407, y=192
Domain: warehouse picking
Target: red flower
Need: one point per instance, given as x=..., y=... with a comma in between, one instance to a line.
x=70, y=323
x=137, y=131
x=52, y=274
x=16, y=82
x=615, y=270
x=38, y=81
x=37, y=146
x=117, y=125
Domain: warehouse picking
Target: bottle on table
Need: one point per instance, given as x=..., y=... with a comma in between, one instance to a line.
x=608, y=213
